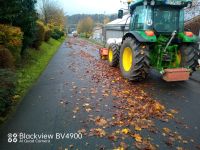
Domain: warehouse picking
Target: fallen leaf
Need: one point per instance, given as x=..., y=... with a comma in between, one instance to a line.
x=137, y=137
x=138, y=128
x=76, y=109
x=158, y=107
x=83, y=131
x=100, y=121
x=166, y=130
x=112, y=137
x=145, y=145
x=125, y=131
x=97, y=132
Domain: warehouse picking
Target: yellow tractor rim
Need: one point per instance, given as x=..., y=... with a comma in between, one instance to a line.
x=110, y=55
x=127, y=59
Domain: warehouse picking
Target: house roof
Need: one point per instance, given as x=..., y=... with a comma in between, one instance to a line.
x=123, y=21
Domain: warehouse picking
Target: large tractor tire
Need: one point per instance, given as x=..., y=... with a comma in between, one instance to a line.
x=113, y=55
x=188, y=57
x=134, y=60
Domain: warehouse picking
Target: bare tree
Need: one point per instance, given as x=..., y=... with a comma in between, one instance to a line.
x=85, y=25
x=194, y=11
x=51, y=13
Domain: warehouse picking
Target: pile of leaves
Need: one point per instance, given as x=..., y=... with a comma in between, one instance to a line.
x=132, y=111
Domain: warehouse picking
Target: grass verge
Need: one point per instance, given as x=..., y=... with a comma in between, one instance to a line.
x=30, y=70
x=36, y=62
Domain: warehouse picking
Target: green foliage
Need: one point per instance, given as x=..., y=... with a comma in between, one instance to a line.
x=47, y=35
x=40, y=34
x=85, y=25
x=85, y=35
x=22, y=14
x=7, y=78
x=6, y=58
x=11, y=37
x=57, y=34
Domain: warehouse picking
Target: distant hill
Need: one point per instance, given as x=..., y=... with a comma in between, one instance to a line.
x=98, y=18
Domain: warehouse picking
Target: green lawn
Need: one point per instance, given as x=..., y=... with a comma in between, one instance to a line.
x=36, y=62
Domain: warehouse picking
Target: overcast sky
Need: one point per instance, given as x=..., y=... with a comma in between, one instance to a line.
x=90, y=6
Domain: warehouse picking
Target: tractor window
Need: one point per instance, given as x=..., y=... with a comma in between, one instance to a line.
x=166, y=20
x=181, y=21
x=142, y=18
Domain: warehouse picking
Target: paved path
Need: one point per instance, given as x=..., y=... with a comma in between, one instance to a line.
x=68, y=95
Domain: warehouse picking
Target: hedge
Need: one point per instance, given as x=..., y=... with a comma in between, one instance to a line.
x=11, y=38
x=47, y=35
x=7, y=87
x=40, y=34
x=57, y=34
x=6, y=58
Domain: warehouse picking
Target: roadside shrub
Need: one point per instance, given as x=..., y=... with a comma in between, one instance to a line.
x=40, y=34
x=11, y=37
x=7, y=86
x=47, y=35
x=57, y=34
x=6, y=58
x=88, y=35
x=85, y=35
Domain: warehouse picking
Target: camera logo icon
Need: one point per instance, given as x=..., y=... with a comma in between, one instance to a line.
x=12, y=138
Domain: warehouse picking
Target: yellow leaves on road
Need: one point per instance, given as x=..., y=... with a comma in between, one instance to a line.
x=133, y=108
x=166, y=130
x=123, y=146
x=83, y=131
x=87, y=107
x=100, y=121
x=137, y=137
x=97, y=132
x=125, y=131
x=158, y=107
x=145, y=145
x=138, y=128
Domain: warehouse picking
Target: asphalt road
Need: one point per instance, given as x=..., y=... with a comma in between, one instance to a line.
x=69, y=94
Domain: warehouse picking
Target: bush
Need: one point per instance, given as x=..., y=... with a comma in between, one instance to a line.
x=6, y=58
x=7, y=86
x=85, y=35
x=40, y=34
x=57, y=34
x=11, y=37
x=47, y=35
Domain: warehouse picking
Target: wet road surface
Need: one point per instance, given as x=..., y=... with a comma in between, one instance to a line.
x=78, y=94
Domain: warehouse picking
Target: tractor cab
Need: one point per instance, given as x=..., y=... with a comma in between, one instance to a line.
x=156, y=39
x=161, y=16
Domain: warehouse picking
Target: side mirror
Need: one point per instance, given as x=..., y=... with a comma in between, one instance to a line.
x=120, y=14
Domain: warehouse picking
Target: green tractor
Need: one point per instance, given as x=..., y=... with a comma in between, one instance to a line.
x=156, y=39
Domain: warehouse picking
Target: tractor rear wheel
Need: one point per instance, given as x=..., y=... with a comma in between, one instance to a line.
x=134, y=60
x=189, y=57
x=113, y=55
